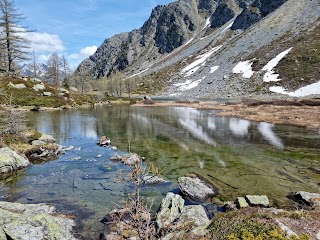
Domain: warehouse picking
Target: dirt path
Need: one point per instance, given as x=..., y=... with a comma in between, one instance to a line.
x=304, y=116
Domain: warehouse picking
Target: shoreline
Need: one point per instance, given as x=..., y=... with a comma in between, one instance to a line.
x=301, y=116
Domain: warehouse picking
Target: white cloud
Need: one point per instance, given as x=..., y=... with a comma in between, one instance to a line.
x=45, y=42
x=84, y=52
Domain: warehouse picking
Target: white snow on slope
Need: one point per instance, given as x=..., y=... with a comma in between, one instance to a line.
x=207, y=23
x=194, y=66
x=213, y=69
x=187, y=85
x=227, y=27
x=270, y=76
x=244, y=68
x=138, y=73
x=301, y=92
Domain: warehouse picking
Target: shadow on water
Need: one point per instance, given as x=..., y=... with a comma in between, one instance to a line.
x=238, y=156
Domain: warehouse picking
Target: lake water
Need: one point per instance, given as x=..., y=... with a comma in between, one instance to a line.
x=238, y=156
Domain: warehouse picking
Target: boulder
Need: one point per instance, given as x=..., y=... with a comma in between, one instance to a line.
x=241, y=202
x=311, y=199
x=116, y=157
x=17, y=86
x=47, y=94
x=104, y=141
x=34, y=221
x=175, y=217
x=11, y=161
x=131, y=160
x=195, y=188
x=39, y=87
x=47, y=138
x=38, y=143
x=153, y=180
x=255, y=200
x=36, y=80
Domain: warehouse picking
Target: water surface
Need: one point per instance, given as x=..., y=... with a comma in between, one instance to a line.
x=240, y=157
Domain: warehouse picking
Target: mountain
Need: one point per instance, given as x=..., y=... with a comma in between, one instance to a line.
x=220, y=48
x=42, y=71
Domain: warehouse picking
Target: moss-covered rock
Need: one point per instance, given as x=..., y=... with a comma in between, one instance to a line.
x=11, y=161
x=34, y=221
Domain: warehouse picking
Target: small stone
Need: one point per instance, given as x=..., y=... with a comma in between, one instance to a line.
x=255, y=200
x=241, y=202
x=99, y=156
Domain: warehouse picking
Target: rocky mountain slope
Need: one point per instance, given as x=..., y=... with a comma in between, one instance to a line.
x=221, y=48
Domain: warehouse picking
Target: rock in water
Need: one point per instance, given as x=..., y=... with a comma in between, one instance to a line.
x=195, y=188
x=33, y=221
x=47, y=138
x=11, y=161
x=104, y=141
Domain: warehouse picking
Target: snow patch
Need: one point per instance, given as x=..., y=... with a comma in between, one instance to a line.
x=187, y=85
x=244, y=68
x=138, y=73
x=270, y=76
x=194, y=66
x=313, y=88
x=213, y=69
x=207, y=23
x=227, y=27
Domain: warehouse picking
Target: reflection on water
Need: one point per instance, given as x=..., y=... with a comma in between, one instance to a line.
x=266, y=130
x=239, y=127
x=177, y=141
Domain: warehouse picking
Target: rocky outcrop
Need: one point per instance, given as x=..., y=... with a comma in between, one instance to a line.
x=11, y=161
x=255, y=12
x=33, y=221
x=195, y=188
x=173, y=217
x=222, y=15
x=168, y=27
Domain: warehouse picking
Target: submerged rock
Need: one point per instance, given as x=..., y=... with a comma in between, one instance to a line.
x=11, y=161
x=33, y=221
x=153, y=180
x=195, y=188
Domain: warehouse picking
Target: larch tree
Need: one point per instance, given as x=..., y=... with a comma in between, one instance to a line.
x=66, y=70
x=54, y=66
x=12, y=41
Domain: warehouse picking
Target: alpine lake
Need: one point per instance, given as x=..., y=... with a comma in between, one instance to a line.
x=239, y=157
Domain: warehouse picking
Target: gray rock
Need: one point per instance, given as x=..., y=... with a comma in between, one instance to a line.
x=38, y=143
x=17, y=86
x=47, y=94
x=116, y=157
x=170, y=210
x=255, y=200
x=229, y=206
x=153, y=180
x=173, y=216
x=36, y=80
x=47, y=138
x=241, y=202
x=195, y=188
x=34, y=221
x=39, y=87
x=312, y=199
x=131, y=160
x=11, y=161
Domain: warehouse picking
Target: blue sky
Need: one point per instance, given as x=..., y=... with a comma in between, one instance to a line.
x=76, y=28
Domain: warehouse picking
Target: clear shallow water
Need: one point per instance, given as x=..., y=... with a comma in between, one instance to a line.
x=238, y=156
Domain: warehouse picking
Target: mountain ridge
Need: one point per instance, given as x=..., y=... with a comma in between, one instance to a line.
x=279, y=20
